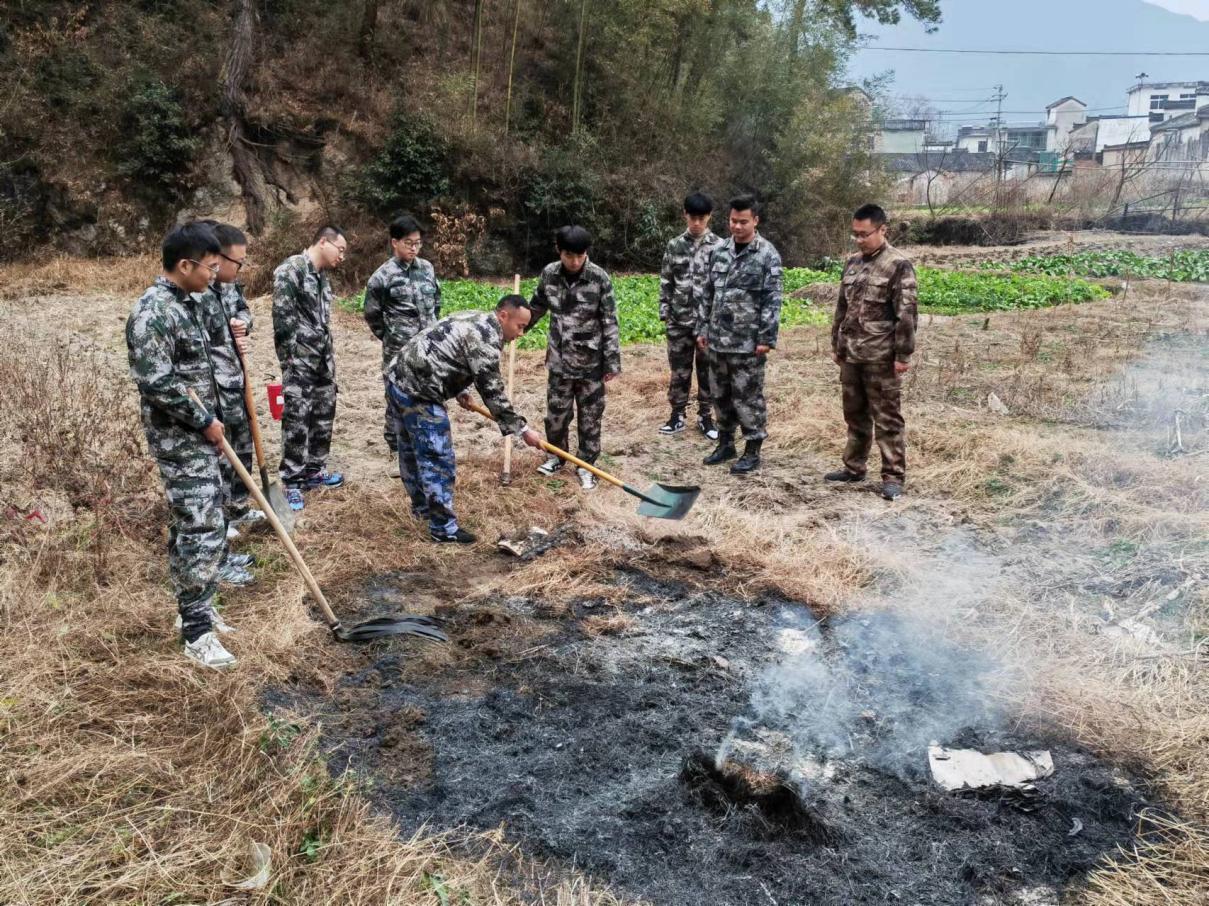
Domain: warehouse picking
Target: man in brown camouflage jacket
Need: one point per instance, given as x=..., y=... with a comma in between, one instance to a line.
x=872, y=339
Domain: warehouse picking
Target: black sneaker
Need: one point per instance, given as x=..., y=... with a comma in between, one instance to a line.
x=724, y=451
x=750, y=460
x=461, y=536
x=675, y=423
x=891, y=490
x=705, y=424
x=843, y=475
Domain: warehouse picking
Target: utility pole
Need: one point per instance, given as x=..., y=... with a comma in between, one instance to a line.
x=999, y=97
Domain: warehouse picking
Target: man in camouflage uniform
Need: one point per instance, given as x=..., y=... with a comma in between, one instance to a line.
x=169, y=357
x=438, y=364
x=228, y=323
x=738, y=317
x=302, y=334
x=872, y=339
x=583, y=351
x=682, y=266
x=401, y=299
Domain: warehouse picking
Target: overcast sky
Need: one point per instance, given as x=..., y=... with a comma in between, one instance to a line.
x=960, y=85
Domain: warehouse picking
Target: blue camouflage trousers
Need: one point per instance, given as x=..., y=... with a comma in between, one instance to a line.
x=426, y=461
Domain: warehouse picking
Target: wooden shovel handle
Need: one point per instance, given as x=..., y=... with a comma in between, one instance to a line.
x=561, y=454
x=282, y=534
x=516, y=289
x=249, y=403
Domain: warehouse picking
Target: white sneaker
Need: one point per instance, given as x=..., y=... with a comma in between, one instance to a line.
x=209, y=652
x=251, y=517
x=232, y=531
x=220, y=625
x=550, y=466
x=587, y=480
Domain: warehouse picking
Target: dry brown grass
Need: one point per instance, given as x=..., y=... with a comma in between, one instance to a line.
x=138, y=778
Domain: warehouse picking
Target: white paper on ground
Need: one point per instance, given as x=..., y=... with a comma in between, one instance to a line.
x=957, y=769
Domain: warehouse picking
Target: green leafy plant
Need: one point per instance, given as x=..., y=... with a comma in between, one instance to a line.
x=158, y=145
x=1189, y=266
x=410, y=170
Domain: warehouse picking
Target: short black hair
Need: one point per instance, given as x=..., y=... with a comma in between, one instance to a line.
x=875, y=214
x=573, y=239
x=191, y=240
x=745, y=203
x=328, y=231
x=229, y=235
x=512, y=301
x=698, y=204
x=404, y=225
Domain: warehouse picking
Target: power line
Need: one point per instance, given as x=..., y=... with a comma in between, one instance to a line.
x=1050, y=53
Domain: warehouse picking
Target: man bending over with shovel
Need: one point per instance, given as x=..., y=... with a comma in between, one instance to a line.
x=442, y=362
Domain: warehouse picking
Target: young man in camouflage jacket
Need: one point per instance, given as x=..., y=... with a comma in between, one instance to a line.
x=302, y=335
x=228, y=323
x=442, y=362
x=401, y=299
x=683, y=264
x=872, y=340
x=738, y=318
x=583, y=352
x=169, y=357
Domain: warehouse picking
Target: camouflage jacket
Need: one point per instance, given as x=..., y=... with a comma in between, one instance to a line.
x=169, y=356
x=220, y=303
x=875, y=315
x=739, y=304
x=678, y=277
x=302, y=312
x=443, y=360
x=584, y=338
x=400, y=301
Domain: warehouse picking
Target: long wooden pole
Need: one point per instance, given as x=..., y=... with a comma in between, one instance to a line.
x=506, y=477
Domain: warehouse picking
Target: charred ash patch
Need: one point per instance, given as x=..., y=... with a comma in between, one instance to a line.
x=617, y=754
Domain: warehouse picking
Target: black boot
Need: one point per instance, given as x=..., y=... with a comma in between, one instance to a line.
x=750, y=460
x=724, y=451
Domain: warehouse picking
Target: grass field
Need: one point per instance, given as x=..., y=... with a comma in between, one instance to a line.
x=940, y=292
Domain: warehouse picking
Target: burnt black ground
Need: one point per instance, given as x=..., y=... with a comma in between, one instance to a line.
x=580, y=750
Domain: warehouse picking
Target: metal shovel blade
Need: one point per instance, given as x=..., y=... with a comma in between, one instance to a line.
x=668, y=501
x=382, y=627
x=281, y=506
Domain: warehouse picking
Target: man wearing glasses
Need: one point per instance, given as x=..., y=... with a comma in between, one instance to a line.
x=401, y=299
x=169, y=358
x=228, y=322
x=302, y=335
x=872, y=339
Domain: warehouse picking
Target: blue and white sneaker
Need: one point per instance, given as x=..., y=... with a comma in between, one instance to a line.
x=293, y=497
x=323, y=480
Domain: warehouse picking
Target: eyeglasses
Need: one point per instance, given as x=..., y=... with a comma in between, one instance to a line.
x=411, y=243
x=212, y=268
x=238, y=264
x=340, y=249
x=865, y=235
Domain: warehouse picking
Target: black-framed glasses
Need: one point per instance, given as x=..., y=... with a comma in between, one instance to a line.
x=212, y=268
x=412, y=243
x=238, y=263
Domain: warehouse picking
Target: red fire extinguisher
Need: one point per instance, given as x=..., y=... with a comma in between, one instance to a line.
x=276, y=400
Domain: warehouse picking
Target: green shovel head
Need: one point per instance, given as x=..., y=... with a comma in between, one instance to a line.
x=668, y=501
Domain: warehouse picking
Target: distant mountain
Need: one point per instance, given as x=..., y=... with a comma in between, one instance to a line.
x=1031, y=82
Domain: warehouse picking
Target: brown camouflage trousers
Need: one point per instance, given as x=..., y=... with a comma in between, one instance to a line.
x=682, y=355
x=306, y=427
x=586, y=396
x=737, y=387
x=872, y=403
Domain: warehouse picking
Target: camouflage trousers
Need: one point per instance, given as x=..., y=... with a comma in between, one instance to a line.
x=426, y=461
x=737, y=386
x=197, y=529
x=872, y=401
x=389, y=432
x=682, y=354
x=239, y=435
x=306, y=426
x=583, y=397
